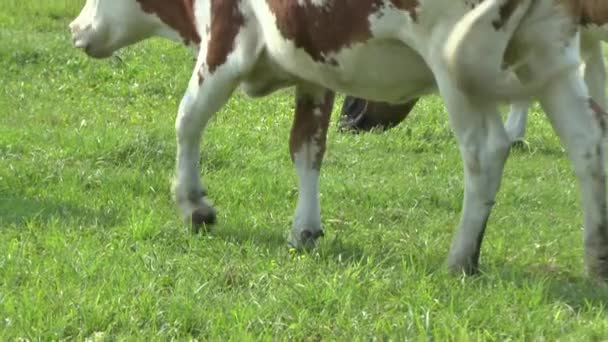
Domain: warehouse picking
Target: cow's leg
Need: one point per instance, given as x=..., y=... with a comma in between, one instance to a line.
x=206, y=94
x=595, y=70
x=307, y=146
x=517, y=120
x=579, y=123
x=595, y=78
x=484, y=146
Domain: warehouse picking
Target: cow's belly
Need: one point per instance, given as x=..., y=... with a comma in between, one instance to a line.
x=384, y=70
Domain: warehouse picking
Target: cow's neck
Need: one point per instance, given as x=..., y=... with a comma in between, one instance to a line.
x=178, y=19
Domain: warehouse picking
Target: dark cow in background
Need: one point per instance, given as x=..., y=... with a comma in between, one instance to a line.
x=390, y=51
x=361, y=115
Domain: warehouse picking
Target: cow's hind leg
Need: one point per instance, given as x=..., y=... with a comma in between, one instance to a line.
x=595, y=69
x=206, y=94
x=484, y=146
x=307, y=146
x=579, y=123
x=595, y=78
x=517, y=120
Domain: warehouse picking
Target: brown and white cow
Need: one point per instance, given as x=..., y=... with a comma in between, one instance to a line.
x=594, y=71
x=384, y=50
x=363, y=115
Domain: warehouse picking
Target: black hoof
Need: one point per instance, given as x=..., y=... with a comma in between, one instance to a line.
x=519, y=144
x=468, y=269
x=309, y=238
x=597, y=267
x=201, y=218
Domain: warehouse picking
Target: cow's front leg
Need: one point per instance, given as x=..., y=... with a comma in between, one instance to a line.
x=207, y=93
x=307, y=146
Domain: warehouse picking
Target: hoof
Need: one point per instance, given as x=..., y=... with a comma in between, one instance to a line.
x=466, y=266
x=597, y=267
x=306, y=239
x=519, y=143
x=201, y=218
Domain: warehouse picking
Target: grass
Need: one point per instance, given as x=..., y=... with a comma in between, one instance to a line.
x=92, y=248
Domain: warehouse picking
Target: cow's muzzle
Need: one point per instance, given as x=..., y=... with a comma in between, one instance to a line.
x=82, y=37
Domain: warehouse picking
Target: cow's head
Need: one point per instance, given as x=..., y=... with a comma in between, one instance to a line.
x=104, y=26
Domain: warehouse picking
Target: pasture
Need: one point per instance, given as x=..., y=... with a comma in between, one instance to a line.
x=91, y=246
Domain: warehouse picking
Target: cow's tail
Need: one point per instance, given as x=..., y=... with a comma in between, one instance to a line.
x=475, y=51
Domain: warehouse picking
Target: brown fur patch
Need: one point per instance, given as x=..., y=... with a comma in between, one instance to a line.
x=321, y=30
x=177, y=14
x=226, y=21
x=594, y=12
x=308, y=128
x=407, y=5
x=588, y=12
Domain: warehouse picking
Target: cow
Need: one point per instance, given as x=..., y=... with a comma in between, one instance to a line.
x=383, y=50
x=363, y=115
x=594, y=71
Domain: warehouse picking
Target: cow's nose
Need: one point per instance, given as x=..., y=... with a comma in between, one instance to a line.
x=79, y=35
x=74, y=27
x=79, y=44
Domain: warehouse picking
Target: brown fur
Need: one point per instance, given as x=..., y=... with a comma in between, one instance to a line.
x=588, y=12
x=595, y=12
x=306, y=127
x=226, y=21
x=407, y=5
x=321, y=30
x=178, y=14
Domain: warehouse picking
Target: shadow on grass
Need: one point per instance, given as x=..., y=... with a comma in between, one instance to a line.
x=329, y=246
x=559, y=284
x=578, y=294
x=525, y=148
x=19, y=210
x=336, y=248
x=260, y=237
x=333, y=248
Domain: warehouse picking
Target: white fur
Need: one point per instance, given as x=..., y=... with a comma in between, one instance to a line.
x=594, y=72
x=307, y=215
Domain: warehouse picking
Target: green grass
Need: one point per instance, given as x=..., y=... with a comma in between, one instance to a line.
x=91, y=245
